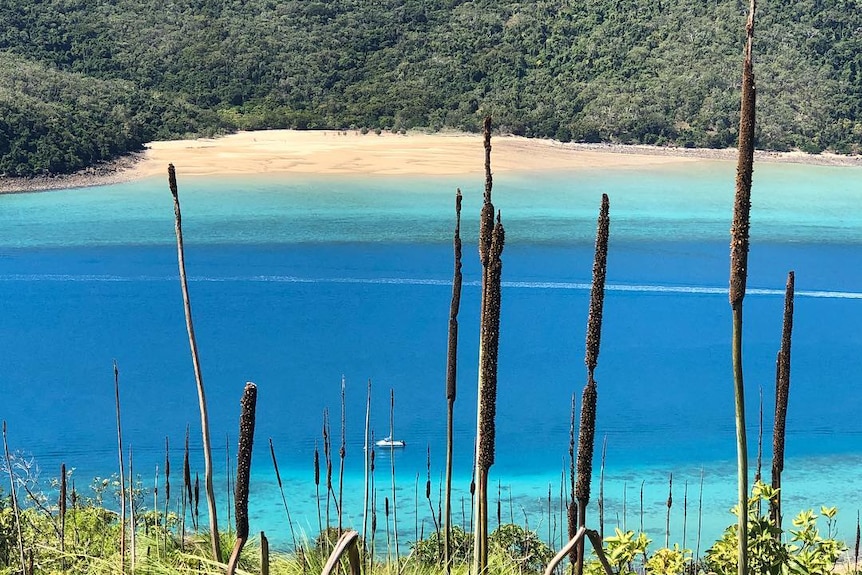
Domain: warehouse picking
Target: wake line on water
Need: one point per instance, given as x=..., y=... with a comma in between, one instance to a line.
x=576, y=286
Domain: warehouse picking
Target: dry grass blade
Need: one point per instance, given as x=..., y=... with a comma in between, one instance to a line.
x=346, y=543
x=202, y=404
x=243, y=470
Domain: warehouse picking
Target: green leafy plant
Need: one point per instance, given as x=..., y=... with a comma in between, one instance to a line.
x=809, y=552
x=521, y=547
x=622, y=550
x=669, y=561
x=806, y=553
x=430, y=550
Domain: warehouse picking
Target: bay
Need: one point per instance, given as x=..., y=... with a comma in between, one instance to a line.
x=298, y=281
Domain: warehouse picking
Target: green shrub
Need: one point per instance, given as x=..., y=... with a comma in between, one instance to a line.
x=806, y=553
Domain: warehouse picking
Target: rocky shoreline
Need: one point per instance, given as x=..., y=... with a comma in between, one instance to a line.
x=114, y=172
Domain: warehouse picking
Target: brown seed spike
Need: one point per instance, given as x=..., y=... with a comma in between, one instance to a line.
x=486, y=218
x=455, y=305
x=739, y=232
x=243, y=457
x=586, y=439
x=491, y=335
x=597, y=292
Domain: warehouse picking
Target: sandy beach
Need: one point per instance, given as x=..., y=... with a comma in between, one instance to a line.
x=351, y=152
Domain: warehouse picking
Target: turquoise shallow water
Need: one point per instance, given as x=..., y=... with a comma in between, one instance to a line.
x=296, y=282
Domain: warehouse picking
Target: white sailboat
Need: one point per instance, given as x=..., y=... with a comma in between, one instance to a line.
x=389, y=442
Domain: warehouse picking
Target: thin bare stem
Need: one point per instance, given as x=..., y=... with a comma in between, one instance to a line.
x=602, y=488
x=699, y=518
x=62, y=505
x=669, y=504
x=202, y=404
x=283, y=498
x=392, y=463
x=167, y=489
x=131, y=514
x=14, y=496
x=365, y=461
x=342, y=452
x=122, y=471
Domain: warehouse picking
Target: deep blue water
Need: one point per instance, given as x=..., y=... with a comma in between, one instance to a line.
x=306, y=285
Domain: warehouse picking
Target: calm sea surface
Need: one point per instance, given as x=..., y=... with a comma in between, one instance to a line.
x=298, y=281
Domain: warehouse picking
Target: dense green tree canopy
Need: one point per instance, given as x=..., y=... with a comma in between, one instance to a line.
x=86, y=80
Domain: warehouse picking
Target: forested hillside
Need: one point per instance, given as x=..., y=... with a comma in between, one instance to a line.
x=86, y=80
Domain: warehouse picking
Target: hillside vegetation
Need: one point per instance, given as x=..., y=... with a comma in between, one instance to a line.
x=87, y=80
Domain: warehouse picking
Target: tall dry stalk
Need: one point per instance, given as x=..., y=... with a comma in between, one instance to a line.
x=156, y=519
x=122, y=471
x=327, y=456
x=782, y=394
x=342, y=452
x=243, y=471
x=428, y=491
x=416, y=510
x=62, y=505
x=858, y=540
x=392, y=464
x=699, y=518
x=197, y=493
x=229, y=481
x=684, y=512
x=602, y=488
x=264, y=554
x=373, y=507
x=451, y=383
x=669, y=505
x=491, y=241
x=186, y=491
x=202, y=403
x=550, y=520
x=642, y=505
x=13, y=494
x=283, y=498
x=167, y=490
x=739, y=242
x=625, y=502
x=759, y=464
x=572, y=504
x=317, y=487
x=132, y=521
x=388, y=538
x=587, y=429
x=365, y=461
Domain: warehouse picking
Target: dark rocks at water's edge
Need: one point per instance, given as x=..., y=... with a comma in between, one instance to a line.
x=105, y=173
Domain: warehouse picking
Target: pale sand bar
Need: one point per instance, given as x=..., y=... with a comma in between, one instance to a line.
x=351, y=152
x=330, y=152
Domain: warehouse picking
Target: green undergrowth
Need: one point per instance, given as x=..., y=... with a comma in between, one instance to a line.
x=91, y=544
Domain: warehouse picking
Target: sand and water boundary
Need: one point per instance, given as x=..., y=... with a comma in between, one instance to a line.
x=325, y=152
